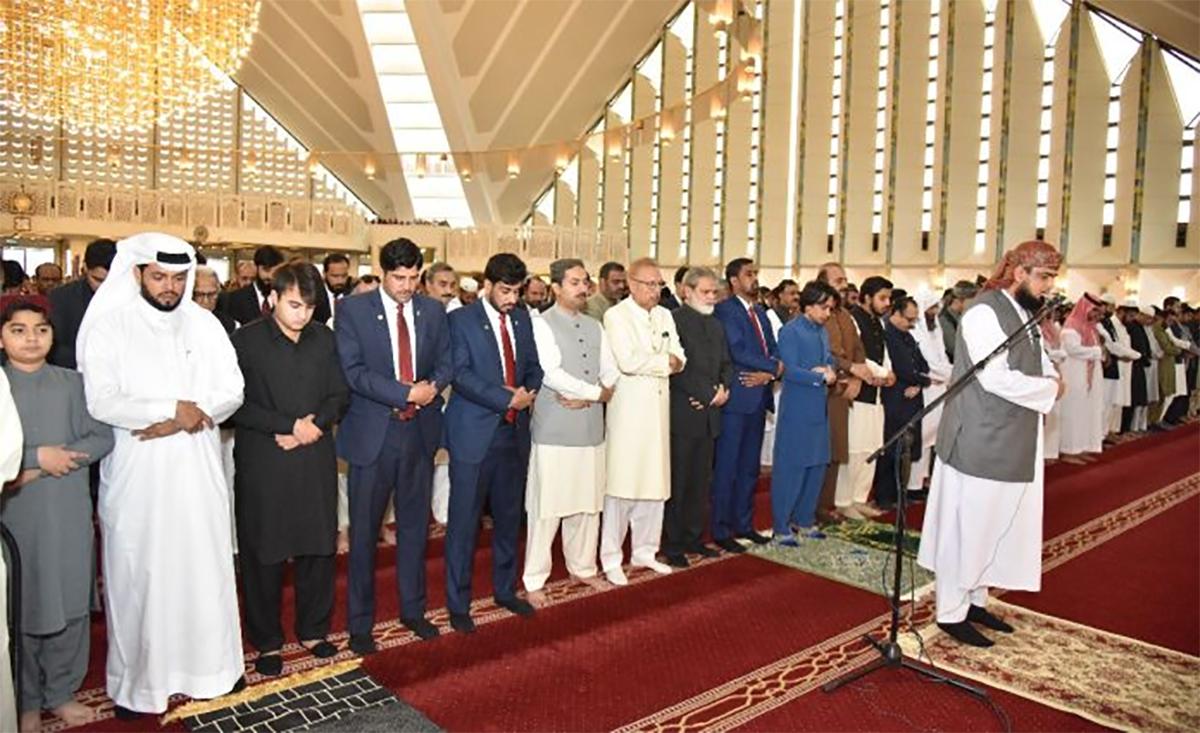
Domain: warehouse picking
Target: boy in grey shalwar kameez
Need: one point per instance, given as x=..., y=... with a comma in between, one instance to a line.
x=48, y=509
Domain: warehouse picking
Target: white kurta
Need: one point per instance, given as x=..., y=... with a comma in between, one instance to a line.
x=566, y=480
x=1081, y=425
x=766, y=456
x=1051, y=433
x=980, y=532
x=164, y=507
x=638, y=427
x=933, y=348
x=12, y=442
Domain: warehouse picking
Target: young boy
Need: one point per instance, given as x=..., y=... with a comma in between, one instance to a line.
x=48, y=509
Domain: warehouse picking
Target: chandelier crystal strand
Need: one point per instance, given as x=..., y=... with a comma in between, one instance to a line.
x=109, y=65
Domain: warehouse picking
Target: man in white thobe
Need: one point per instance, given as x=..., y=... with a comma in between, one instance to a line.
x=161, y=371
x=647, y=350
x=983, y=523
x=932, y=344
x=1121, y=355
x=567, y=460
x=12, y=442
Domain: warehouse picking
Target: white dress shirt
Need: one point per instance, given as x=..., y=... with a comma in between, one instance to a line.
x=390, y=306
x=493, y=317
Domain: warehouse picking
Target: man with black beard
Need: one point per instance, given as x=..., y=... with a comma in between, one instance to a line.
x=251, y=302
x=337, y=282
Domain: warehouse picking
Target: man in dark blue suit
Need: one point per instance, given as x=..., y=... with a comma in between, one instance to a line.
x=496, y=375
x=394, y=345
x=756, y=365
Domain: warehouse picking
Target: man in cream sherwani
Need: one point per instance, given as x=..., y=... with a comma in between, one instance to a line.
x=647, y=351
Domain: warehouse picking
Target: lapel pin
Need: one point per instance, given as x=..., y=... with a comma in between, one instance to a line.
x=379, y=317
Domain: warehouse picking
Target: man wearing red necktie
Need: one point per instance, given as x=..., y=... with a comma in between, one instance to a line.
x=756, y=365
x=496, y=376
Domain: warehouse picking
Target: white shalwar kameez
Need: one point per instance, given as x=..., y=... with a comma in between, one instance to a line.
x=933, y=348
x=981, y=533
x=171, y=596
x=1119, y=391
x=566, y=482
x=637, y=431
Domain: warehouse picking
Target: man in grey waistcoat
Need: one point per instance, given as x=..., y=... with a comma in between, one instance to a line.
x=567, y=460
x=983, y=523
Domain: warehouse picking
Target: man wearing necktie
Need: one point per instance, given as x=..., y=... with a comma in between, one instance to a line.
x=756, y=365
x=394, y=345
x=496, y=377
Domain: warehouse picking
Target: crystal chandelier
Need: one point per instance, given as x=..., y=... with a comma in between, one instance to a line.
x=108, y=65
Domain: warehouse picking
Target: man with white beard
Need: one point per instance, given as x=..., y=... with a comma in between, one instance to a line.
x=983, y=523
x=162, y=372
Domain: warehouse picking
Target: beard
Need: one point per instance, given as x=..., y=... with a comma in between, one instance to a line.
x=157, y=305
x=343, y=289
x=1027, y=300
x=703, y=309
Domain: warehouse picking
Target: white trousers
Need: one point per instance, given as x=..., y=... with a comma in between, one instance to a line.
x=1113, y=423
x=580, y=533
x=854, y=481
x=441, y=492
x=642, y=518
x=953, y=604
x=1140, y=418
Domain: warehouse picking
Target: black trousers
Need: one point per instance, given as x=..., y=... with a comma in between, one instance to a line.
x=1177, y=410
x=686, y=514
x=262, y=591
x=1126, y=419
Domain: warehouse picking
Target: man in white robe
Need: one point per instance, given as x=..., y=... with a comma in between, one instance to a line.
x=162, y=372
x=1081, y=426
x=983, y=523
x=567, y=459
x=932, y=344
x=12, y=442
x=647, y=350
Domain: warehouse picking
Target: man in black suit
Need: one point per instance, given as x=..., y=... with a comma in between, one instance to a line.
x=697, y=395
x=69, y=302
x=250, y=303
x=903, y=399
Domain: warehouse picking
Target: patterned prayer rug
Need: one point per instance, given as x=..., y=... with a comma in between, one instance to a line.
x=857, y=564
x=877, y=535
x=1109, y=679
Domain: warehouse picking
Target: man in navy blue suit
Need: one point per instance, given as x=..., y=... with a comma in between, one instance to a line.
x=496, y=376
x=756, y=365
x=394, y=345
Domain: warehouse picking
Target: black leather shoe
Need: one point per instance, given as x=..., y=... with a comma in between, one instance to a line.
x=704, y=551
x=238, y=686
x=519, y=606
x=362, y=644
x=268, y=665
x=755, y=537
x=980, y=615
x=677, y=561
x=422, y=628
x=462, y=623
x=966, y=633
x=730, y=545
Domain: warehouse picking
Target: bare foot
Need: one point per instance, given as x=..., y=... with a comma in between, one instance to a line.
x=343, y=541
x=537, y=598
x=74, y=713
x=595, y=582
x=387, y=536
x=31, y=721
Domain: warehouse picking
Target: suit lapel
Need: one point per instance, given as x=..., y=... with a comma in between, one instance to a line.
x=379, y=314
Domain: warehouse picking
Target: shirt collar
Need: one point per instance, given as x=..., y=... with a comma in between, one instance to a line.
x=492, y=313
x=745, y=303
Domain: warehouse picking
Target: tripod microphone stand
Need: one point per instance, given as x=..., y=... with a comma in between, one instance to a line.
x=901, y=442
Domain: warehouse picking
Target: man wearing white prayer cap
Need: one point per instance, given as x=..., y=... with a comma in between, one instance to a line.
x=162, y=372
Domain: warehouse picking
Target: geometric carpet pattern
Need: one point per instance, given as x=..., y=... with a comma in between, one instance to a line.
x=1109, y=679
x=861, y=565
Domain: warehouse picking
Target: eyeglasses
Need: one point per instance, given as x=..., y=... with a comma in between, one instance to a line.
x=656, y=284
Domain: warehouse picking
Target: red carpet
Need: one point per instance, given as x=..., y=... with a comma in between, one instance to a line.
x=1153, y=589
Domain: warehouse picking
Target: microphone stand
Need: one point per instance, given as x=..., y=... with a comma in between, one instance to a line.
x=901, y=441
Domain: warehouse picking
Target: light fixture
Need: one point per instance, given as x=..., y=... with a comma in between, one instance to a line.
x=113, y=156
x=312, y=164
x=514, y=167
x=717, y=109
x=369, y=169
x=561, y=163
x=666, y=134
x=721, y=16
x=250, y=162
x=107, y=66
x=420, y=167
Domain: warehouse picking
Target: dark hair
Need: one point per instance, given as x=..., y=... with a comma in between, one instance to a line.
x=10, y=305
x=874, y=284
x=434, y=269
x=268, y=257
x=1168, y=301
x=785, y=284
x=99, y=253
x=851, y=287
x=608, y=267
x=734, y=268
x=683, y=270
x=400, y=252
x=200, y=258
x=369, y=278
x=300, y=275
x=14, y=274
x=816, y=292
x=559, y=268
x=898, y=294
x=506, y=268
x=902, y=302
x=335, y=258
